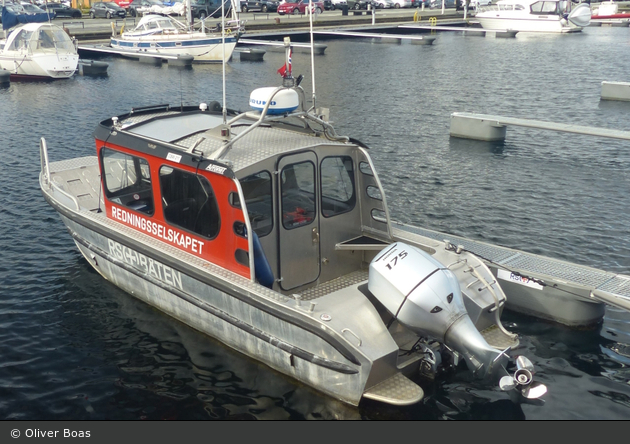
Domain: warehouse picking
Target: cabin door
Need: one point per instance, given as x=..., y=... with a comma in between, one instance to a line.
x=298, y=227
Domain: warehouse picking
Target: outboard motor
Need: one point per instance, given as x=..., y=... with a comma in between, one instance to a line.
x=425, y=296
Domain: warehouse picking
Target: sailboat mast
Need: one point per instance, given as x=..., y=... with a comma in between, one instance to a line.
x=188, y=14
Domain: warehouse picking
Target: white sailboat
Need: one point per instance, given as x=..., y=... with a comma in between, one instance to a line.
x=161, y=34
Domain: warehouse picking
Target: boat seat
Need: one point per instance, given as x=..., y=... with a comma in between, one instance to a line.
x=182, y=213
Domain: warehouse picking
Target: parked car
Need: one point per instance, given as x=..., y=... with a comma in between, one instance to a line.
x=359, y=4
x=299, y=7
x=209, y=8
x=339, y=4
x=139, y=7
x=402, y=3
x=123, y=3
x=107, y=10
x=259, y=5
x=382, y=4
x=33, y=9
x=61, y=10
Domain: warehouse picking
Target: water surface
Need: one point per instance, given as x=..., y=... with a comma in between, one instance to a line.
x=72, y=346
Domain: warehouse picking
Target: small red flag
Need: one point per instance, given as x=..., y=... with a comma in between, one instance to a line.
x=285, y=71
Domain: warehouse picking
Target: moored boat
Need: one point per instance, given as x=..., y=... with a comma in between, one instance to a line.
x=39, y=51
x=270, y=232
x=534, y=16
x=161, y=34
x=609, y=10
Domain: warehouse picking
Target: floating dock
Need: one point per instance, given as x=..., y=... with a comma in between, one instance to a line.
x=174, y=60
x=615, y=91
x=498, y=33
x=92, y=68
x=493, y=128
x=421, y=40
x=5, y=77
x=319, y=48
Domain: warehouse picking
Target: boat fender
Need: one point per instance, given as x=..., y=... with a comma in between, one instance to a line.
x=263, y=272
x=215, y=106
x=285, y=100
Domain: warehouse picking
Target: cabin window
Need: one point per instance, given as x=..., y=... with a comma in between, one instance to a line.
x=258, y=199
x=46, y=39
x=337, y=182
x=365, y=168
x=189, y=202
x=21, y=40
x=127, y=180
x=373, y=192
x=297, y=183
x=544, y=7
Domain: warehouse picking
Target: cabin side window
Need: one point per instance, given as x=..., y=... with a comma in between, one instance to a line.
x=189, y=202
x=544, y=7
x=127, y=180
x=337, y=183
x=297, y=183
x=258, y=199
x=21, y=40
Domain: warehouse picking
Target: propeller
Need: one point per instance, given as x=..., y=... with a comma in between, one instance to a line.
x=522, y=381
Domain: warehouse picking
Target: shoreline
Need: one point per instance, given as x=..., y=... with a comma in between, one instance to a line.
x=259, y=24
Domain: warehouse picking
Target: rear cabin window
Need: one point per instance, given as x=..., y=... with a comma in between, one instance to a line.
x=127, y=180
x=258, y=199
x=337, y=182
x=297, y=183
x=189, y=202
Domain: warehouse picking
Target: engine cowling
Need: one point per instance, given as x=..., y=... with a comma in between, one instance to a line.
x=425, y=296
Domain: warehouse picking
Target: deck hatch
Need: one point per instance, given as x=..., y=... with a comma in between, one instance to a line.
x=178, y=126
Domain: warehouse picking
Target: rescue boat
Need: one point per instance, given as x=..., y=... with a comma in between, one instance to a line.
x=270, y=232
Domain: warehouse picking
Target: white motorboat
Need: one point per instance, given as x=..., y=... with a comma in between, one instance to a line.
x=534, y=16
x=161, y=34
x=39, y=51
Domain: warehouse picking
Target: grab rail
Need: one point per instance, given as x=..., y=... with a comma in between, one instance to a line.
x=43, y=151
x=43, y=154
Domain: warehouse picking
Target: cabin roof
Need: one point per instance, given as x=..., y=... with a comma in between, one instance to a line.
x=199, y=130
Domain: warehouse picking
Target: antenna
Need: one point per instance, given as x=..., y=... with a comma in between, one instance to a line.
x=310, y=13
x=224, y=61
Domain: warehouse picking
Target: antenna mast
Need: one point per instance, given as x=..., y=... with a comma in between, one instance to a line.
x=310, y=13
x=223, y=47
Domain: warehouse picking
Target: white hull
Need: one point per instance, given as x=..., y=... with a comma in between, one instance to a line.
x=525, y=24
x=40, y=65
x=39, y=50
x=203, y=50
